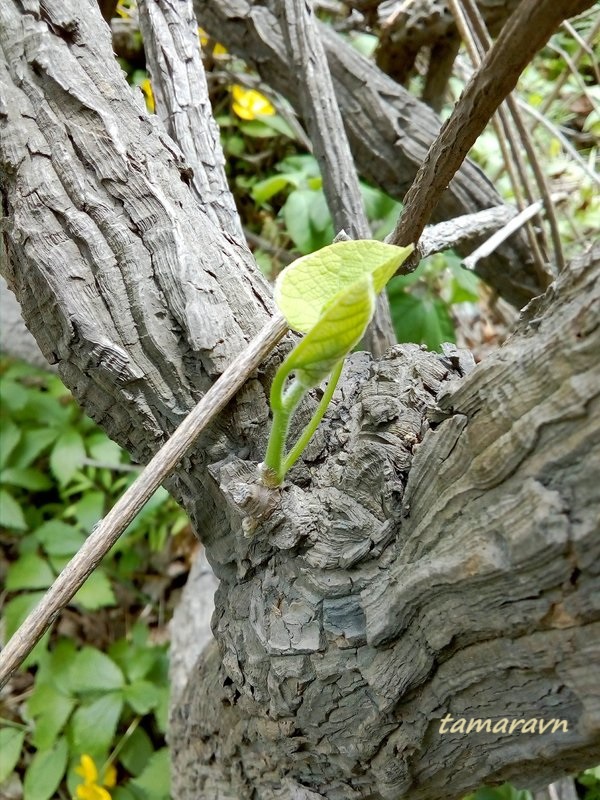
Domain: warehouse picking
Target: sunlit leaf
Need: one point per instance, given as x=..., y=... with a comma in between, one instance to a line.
x=306, y=287
x=336, y=332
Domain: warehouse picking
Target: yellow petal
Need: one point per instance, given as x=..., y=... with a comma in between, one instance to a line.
x=146, y=88
x=219, y=49
x=92, y=792
x=110, y=775
x=87, y=769
x=203, y=36
x=249, y=104
x=124, y=8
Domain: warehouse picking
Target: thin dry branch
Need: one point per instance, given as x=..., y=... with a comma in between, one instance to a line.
x=121, y=514
x=479, y=31
x=501, y=235
x=527, y=30
x=509, y=147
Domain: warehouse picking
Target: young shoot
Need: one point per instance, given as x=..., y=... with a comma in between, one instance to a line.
x=330, y=296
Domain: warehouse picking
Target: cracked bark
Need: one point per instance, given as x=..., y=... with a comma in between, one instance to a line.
x=428, y=558
x=124, y=279
x=437, y=547
x=172, y=48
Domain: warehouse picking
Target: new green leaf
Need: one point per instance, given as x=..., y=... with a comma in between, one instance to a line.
x=330, y=295
x=311, y=283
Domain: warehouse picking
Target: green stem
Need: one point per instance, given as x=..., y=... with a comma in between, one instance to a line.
x=312, y=426
x=119, y=746
x=283, y=406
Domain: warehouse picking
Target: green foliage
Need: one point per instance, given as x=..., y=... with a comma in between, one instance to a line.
x=83, y=702
x=504, y=792
x=591, y=780
x=59, y=475
x=421, y=303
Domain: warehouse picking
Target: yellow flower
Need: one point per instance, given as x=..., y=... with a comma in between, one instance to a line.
x=203, y=36
x=250, y=104
x=146, y=88
x=110, y=776
x=218, y=49
x=125, y=8
x=90, y=788
x=92, y=792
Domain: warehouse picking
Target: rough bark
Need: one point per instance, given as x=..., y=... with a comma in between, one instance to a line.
x=366, y=604
x=429, y=557
x=389, y=130
x=173, y=57
x=125, y=281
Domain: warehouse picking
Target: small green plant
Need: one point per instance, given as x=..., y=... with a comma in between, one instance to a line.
x=330, y=296
x=591, y=780
x=88, y=723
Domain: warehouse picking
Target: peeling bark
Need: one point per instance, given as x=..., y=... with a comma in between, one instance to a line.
x=436, y=553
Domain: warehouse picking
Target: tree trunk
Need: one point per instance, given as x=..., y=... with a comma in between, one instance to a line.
x=437, y=553
x=433, y=552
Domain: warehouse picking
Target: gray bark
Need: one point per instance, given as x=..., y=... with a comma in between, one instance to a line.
x=389, y=130
x=173, y=57
x=380, y=590
x=436, y=553
x=126, y=282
